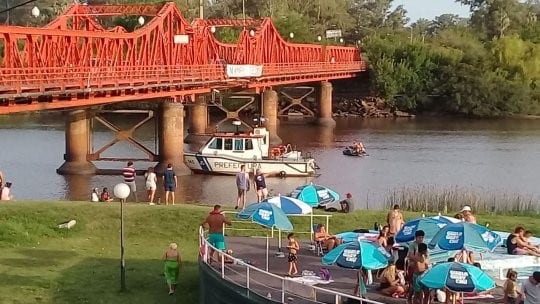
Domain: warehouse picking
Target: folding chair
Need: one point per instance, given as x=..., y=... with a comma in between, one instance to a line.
x=319, y=245
x=319, y=248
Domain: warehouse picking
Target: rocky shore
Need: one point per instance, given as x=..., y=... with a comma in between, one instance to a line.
x=372, y=107
x=369, y=107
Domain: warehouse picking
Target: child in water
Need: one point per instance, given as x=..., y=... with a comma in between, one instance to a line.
x=293, y=251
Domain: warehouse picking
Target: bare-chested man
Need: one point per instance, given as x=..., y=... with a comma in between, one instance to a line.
x=395, y=220
x=420, y=262
x=214, y=221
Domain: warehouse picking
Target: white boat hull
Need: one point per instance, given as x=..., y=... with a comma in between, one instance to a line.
x=227, y=165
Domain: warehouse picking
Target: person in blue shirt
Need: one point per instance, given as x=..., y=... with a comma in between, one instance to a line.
x=170, y=182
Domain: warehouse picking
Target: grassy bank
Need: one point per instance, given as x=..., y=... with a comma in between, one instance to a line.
x=42, y=264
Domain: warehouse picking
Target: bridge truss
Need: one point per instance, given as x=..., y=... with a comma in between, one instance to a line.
x=74, y=61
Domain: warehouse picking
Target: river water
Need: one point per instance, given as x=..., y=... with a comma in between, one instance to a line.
x=493, y=156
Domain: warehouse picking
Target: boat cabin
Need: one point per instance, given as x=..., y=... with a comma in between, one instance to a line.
x=253, y=145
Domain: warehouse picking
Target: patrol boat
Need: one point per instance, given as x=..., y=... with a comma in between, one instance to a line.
x=224, y=153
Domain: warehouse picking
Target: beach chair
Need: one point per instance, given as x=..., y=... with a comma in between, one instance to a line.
x=319, y=245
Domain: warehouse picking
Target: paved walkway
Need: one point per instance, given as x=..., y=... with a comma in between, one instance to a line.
x=253, y=250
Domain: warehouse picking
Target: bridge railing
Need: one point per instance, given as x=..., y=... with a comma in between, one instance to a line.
x=41, y=79
x=70, y=77
x=277, y=69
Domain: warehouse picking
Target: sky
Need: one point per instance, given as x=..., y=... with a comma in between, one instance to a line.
x=429, y=9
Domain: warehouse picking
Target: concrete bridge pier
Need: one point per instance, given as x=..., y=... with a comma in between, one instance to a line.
x=270, y=113
x=78, y=137
x=198, y=122
x=325, y=105
x=171, y=138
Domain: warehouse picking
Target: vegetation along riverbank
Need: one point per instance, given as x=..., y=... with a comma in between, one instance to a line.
x=40, y=263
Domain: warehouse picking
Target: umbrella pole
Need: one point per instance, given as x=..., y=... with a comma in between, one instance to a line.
x=279, y=241
x=267, y=249
x=311, y=227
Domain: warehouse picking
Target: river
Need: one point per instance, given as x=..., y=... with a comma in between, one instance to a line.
x=492, y=156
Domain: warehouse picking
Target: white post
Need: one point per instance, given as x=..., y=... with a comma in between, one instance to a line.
x=327, y=224
x=267, y=249
x=282, y=290
x=222, y=265
x=311, y=226
x=279, y=241
x=247, y=278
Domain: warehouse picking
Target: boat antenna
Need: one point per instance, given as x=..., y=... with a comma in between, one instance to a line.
x=237, y=123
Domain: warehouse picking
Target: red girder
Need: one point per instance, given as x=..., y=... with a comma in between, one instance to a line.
x=75, y=56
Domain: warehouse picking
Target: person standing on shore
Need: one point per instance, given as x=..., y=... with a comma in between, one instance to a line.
x=170, y=182
x=242, y=184
x=260, y=185
x=129, y=174
x=151, y=184
x=215, y=221
x=1, y=179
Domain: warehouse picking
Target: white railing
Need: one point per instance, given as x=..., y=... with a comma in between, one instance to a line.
x=313, y=218
x=267, y=284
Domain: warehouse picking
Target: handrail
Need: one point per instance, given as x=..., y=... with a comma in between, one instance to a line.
x=310, y=232
x=54, y=80
x=203, y=243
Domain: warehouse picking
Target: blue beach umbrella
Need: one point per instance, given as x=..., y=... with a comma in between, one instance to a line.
x=429, y=225
x=315, y=195
x=463, y=235
x=267, y=215
x=358, y=254
x=457, y=277
x=289, y=205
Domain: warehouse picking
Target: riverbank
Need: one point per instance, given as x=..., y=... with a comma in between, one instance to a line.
x=42, y=264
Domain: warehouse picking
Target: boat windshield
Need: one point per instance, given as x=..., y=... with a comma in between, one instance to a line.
x=216, y=144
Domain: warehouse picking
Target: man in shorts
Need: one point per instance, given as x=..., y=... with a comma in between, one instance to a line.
x=170, y=181
x=242, y=184
x=260, y=185
x=215, y=221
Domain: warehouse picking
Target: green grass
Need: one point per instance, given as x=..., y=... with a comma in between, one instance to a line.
x=42, y=264
x=433, y=199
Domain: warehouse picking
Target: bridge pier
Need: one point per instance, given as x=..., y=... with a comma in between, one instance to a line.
x=198, y=122
x=270, y=113
x=171, y=138
x=325, y=105
x=77, y=145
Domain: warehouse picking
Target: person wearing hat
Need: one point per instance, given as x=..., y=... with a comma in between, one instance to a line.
x=467, y=215
x=530, y=291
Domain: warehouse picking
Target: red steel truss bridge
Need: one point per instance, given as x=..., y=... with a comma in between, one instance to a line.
x=74, y=61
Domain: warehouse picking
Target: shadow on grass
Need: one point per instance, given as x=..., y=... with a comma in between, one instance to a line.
x=97, y=280
x=39, y=258
x=24, y=280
